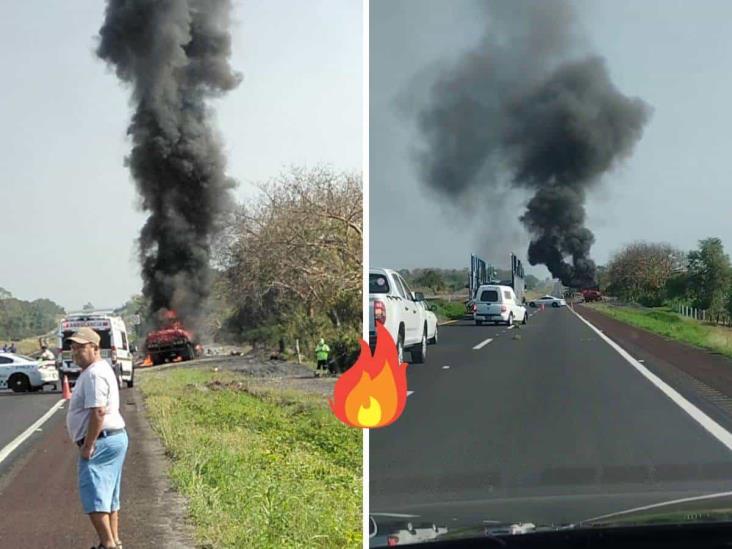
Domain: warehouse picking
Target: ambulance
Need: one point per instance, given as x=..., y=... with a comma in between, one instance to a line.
x=114, y=345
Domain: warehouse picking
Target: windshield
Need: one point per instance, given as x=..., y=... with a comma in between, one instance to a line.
x=510, y=171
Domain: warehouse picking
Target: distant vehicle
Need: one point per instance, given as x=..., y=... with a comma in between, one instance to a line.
x=591, y=294
x=392, y=303
x=431, y=319
x=498, y=304
x=114, y=346
x=21, y=373
x=548, y=301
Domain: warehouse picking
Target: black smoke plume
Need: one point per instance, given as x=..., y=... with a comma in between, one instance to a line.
x=175, y=55
x=518, y=111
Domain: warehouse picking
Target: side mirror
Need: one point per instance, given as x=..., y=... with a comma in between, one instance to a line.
x=418, y=296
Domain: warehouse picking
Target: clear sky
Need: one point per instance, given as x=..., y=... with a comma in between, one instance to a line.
x=69, y=216
x=677, y=56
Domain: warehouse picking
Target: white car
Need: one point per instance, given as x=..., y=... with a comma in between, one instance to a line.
x=548, y=301
x=498, y=304
x=21, y=373
x=431, y=319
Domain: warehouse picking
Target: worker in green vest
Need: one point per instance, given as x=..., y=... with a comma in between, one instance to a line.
x=321, y=355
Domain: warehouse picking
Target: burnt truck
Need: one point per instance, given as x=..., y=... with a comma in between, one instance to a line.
x=171, y=343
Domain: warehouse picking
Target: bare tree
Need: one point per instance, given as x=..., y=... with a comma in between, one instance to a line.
x=298, y=248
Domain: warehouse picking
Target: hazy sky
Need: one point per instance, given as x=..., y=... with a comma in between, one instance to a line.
x=677, y=56
x=69, y=216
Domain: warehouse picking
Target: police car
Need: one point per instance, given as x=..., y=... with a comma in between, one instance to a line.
x=21, y=373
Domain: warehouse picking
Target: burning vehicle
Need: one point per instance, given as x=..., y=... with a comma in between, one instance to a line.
x=171, y=342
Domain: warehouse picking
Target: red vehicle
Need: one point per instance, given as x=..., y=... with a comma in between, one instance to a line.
x=172, y=343
x=591, y=294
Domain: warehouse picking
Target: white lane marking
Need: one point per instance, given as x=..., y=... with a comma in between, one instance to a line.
x=662, y=504
x=483, y=343
x=511, y=327
x=5, y=452
x=445, y=367
x=410, y=393
x=714, y=428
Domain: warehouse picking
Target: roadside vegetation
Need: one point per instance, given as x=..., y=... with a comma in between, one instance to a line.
x=289, y=268
x=25, y=319
x=259, y=468
x=447, y=310
x=651, y=282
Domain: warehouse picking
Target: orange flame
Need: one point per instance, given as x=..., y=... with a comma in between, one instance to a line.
x=373, y=392
x=148, y=361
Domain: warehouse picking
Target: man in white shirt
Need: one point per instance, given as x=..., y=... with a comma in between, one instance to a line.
x=96, y=426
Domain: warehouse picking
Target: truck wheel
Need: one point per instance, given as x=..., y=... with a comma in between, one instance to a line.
x=526, y=318
x=189, y=354
x=131, y=382
x=420, y=353
x=19, y=383
x=433, y=341
x=509, y=322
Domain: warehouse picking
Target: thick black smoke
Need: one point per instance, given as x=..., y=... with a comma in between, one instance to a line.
x=175, y=54
x=519, y=112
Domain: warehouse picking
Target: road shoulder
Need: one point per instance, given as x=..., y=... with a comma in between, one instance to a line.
x=703, y=377
x=39, y=501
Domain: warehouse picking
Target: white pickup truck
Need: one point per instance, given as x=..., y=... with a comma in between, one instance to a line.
x=392, y=303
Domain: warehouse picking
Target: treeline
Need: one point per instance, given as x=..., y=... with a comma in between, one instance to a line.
x=291, y=264
x=453, y=280
x=654, y=274
x=21, y=319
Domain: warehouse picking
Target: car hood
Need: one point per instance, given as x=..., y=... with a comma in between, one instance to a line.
x=463, y=520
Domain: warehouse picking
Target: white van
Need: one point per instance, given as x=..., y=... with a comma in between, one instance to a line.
x=113, y=346
x=498, y=304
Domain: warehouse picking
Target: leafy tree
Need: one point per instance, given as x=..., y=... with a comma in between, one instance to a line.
x=709, y=276
x=21, y=319
x=430, y=279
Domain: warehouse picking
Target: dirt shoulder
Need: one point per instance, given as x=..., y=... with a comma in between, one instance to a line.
x=259, y=371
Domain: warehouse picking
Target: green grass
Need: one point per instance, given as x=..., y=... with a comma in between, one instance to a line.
x=259, y=469
x=665, y=322
x=448, y=310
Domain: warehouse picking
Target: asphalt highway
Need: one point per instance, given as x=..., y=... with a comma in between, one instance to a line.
x=545, y=423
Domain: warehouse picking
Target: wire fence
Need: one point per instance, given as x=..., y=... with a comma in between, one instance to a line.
x=702, y=315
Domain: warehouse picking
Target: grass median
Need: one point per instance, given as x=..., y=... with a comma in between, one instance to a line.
x=665, y=322
x=260, y=468
x=447, y=310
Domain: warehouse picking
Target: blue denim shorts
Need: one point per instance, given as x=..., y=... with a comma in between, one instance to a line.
x=101, y=476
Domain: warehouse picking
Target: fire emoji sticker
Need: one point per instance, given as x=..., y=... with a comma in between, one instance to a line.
x=373, y=392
